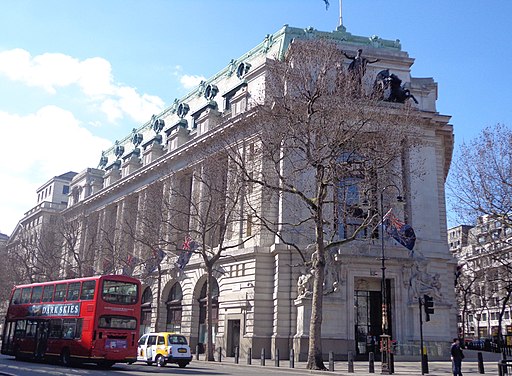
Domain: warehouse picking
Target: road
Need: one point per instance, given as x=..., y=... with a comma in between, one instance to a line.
x=9, y=366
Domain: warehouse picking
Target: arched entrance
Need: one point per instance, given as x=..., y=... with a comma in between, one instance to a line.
x=174, y=309
x=202, y=314
x=146, y=311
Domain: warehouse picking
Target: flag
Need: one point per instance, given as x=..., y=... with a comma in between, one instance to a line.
x=398, y=230
x=326, y=4
x=152, y=264
x=187, y=249
x=131, y=261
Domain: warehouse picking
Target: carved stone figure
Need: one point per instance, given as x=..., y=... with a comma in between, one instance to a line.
x=391, y=89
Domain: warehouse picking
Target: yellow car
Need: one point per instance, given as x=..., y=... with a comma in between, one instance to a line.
x=164, y=347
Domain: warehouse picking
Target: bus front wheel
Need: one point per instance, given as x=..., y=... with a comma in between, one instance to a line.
x=65, y=358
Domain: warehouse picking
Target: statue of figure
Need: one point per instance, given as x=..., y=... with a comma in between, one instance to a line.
x=331, y=274
x=358, y=65
x=390, y=86
x=305, y=285
x=422, y=282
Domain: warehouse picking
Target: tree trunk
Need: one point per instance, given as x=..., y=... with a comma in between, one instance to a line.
x=315, y=360
x=209, y=344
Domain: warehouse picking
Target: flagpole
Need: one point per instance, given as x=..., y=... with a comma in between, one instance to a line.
x=341, y=15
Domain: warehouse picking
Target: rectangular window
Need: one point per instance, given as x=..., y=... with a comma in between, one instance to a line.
x=60, y=292
x=88, y=290
x=55, y=328
x=65, y=189
x=20, y=328
x=72, y=328
x=484, y=316
x=37, y=292
x=31, y=328
x=16, y=297
x=25, y=295
x=48, y=293
x=73, y=291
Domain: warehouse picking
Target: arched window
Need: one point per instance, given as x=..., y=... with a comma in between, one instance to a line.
x=173, y=323
x=146, y=310
x=202, y=311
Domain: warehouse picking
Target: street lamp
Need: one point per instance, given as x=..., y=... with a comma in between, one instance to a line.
x=385, y=336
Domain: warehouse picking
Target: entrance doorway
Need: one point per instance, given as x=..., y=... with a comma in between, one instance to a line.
x=368, y=320
x=233, y=337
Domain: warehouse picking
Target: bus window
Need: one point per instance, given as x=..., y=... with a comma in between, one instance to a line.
x=69, y=328
x=88, y=290
x=25, y=295
x=16, y=297
x=55, y=328
x=31, y=328
x=20, y=328
x=117, y=322
x=48, y=293
x=60, y=292
x=73, y=291
x=118, y=292
x=37, y=292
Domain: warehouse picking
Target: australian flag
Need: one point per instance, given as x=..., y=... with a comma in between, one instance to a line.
x=400, y=231
x=187, y=249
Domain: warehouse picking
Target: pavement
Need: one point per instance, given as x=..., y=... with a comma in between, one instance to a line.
x=409, y=368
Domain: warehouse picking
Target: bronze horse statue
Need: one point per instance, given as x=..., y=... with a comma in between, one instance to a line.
x=391, y=88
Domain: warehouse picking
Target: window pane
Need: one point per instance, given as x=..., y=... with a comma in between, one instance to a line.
x=88, y=290
x=120, y=292
x=16, y=297
x=73, y=291
x=25, y=295
x=37, y=292
x=48, y=293
x=56, y=328
x=60, y=292
x=117, y=322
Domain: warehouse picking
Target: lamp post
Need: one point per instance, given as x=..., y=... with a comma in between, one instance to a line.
x=385, y=337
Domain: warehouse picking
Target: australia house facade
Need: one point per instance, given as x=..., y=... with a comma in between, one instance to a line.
x=260, y=299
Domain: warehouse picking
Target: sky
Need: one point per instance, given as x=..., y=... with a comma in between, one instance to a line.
x=77, y=75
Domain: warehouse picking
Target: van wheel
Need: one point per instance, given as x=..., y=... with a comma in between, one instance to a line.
x=160, y=361
x=182, y=364
x=65, y=358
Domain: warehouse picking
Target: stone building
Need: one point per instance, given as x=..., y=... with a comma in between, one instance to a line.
x=260, y=299
x=34, y=234
x=484, y=279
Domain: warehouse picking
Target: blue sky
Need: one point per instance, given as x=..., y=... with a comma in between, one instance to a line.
x=77, y=75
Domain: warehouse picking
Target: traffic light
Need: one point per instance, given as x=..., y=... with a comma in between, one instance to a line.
x=428, y=305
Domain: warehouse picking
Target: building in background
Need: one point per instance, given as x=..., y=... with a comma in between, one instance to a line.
x=35, y=242
x=484, y=279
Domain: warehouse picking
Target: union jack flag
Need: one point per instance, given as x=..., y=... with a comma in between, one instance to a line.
x=188, y=248
x=398, y=230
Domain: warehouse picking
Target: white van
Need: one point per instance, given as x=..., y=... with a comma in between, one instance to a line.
x=164, y=347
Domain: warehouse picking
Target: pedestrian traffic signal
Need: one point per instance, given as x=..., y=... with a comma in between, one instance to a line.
x=428, y=305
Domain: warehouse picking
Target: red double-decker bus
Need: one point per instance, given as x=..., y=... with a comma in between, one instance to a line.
x=91, y=319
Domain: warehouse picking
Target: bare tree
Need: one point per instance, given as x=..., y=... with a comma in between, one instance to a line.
x=480, y=191
x=204, y=206
x=322, y=144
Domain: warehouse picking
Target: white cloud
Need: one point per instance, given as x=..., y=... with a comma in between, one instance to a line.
x=41, y=145
x=93, y=76
x=190, y=82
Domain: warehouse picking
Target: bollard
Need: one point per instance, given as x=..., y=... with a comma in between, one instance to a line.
x=237, y=355
x=331, y=361
x=197, y=352
x=249, y=356
x=292, y=358
x=220, y=354
x=391, y=362
x=276, y=358
x=262, y=358
x=480, y=363
x=371, y=364
x=350, y=362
